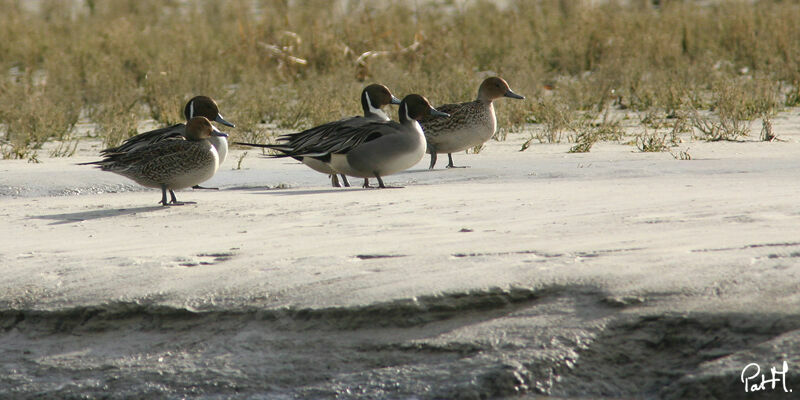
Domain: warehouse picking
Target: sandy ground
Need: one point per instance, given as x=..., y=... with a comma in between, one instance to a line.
x=612, y=273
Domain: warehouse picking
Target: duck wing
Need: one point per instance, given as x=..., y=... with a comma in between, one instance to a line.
x=314, y=135
x=433, y=125
x=147, y=138
x=300, y=142
x=350, y=136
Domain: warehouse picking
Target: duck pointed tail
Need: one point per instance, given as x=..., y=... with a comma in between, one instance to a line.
x=287, y=151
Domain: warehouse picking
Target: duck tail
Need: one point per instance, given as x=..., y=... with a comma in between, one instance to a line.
x=285, y=150
x=98, y=163
x=269, y=146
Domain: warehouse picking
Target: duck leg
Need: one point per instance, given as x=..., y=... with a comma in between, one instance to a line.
x=344, y=179
x=382, y=186
x=433, y=157
x=173, y=200
x=366, y=183
x=450, y=164
x=334, y=180
x=164, y=196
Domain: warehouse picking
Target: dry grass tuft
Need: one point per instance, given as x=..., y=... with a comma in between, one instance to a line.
x=288, y=65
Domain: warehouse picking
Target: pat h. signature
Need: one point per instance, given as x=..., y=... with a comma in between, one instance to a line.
x=752, y=372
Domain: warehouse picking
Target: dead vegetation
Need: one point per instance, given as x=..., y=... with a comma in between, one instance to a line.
x=278, y=64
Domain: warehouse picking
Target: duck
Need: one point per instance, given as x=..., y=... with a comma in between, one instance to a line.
x=170, y=163
x=374, y=149
x=197, y=106
x=373, y=98
x=471, y=124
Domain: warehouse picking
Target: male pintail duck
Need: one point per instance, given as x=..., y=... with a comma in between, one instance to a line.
x=377, y=148
x=373, y=98
x=202, y=106
x=471, y=124
x=169, y=164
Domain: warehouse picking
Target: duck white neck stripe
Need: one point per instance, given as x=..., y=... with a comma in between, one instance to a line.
x=405, y=108
x=191, y=110
x=372, y=108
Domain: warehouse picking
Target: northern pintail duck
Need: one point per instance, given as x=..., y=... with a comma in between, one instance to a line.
x=174, y=163
x=377, y=148
x=198, y=106
x=373, y=98
x=471, y=123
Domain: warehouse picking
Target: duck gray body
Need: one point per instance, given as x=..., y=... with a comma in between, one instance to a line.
x=175, y=163
x=323, y=165
x=471, y=124
x=373, y=98
x=377, y=148
x=380, y=149
x=169, y=163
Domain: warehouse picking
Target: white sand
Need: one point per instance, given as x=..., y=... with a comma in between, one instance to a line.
x=717, y=235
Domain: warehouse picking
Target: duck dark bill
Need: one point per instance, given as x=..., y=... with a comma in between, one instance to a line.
x=438, y=113
x=223, y=121
x=513, y=95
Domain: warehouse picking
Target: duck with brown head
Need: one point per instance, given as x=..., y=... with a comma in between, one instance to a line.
x=198, y=106
x=169, y=164
x=373, y=98
x=377, y=148
x=472, y=123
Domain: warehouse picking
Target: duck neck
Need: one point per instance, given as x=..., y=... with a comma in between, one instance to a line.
x=402, y=115
x=483, y=98
x=189, y=111
x=369, y=109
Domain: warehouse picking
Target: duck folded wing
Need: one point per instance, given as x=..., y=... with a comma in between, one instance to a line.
x=349, y=137
x=432, y=124
x=143, y=139
x=181, y=158
x=157, y=152
x=310, y=137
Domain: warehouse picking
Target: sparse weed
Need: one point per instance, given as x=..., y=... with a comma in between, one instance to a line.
x=240, y=160
x=65, y=148
x=587, y=134
x=682, y=155
x=766, y=130
x=721, y=128
x=652, y=142
x=295, y=64
x=793, y=95
x=477, y=149
x=555, y=117
x=584, y=142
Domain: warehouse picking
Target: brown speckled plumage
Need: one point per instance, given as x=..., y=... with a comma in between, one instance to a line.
x=169, y=164
x=163, y=162
x=471, y=123
x=477, y=117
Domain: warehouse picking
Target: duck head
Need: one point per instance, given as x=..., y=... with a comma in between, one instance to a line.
x=374, y=97
x=495, y=88
x=200, y=128
x=204, y=106
x=414, y=107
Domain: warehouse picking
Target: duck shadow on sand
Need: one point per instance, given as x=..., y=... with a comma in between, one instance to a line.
x=314, y=191
x=66, y=218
